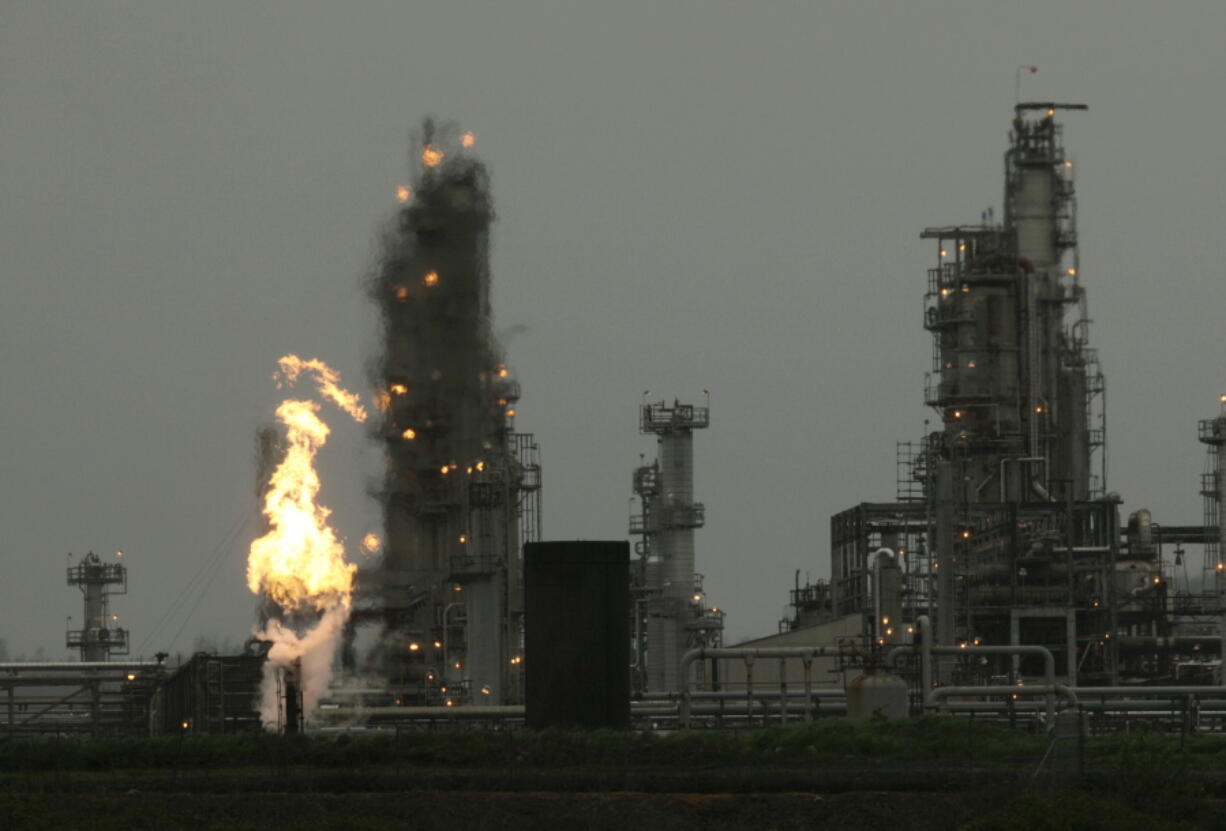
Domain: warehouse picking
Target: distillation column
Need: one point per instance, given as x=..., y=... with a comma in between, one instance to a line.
x=1040, y=211
x=97, y=639
x=1212, y=432
x=447, y=591
x=673, y=599
x=1013, y=385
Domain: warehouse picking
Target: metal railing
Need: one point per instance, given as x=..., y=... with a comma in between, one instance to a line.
x=748, y=655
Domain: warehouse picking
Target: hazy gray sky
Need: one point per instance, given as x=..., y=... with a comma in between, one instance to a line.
x=691, y=195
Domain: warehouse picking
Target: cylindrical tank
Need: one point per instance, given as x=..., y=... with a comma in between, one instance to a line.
x=877, y=694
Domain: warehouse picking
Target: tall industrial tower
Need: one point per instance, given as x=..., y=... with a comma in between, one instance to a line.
x=669, y=615
x=97, y=639
x=461, y=492
x=1018, y=389
x=1212, y=432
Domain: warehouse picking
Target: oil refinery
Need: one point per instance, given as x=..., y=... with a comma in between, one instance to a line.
x=1004, y=579
x=1002, y=530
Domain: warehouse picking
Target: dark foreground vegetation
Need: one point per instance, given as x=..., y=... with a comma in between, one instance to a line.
x=930, y=773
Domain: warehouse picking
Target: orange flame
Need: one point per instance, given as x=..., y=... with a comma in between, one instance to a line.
x=403, y=194
x=372, y=543
x=431, y=278
x=431, y=156
x=468, y=140
x=327, y=380
x=299, y=563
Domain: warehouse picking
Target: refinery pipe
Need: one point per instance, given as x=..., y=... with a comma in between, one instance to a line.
x=748, y=655
x=1048, y=690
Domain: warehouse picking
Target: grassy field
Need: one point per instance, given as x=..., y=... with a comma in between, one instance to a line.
x=933, y=772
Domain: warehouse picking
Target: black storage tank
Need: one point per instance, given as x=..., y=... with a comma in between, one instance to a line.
x=577, y=634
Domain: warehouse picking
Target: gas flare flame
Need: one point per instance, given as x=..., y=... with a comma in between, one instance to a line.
x=299, y=564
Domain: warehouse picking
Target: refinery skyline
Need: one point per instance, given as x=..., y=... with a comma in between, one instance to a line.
x=687, y=198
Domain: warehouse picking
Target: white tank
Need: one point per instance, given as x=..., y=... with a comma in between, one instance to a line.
x=877, y=694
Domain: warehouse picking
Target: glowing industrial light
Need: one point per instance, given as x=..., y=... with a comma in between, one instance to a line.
x=485, y=690
x=468, y=140
x=398, y=389
x=957, y=414
x=886, y=621
x=1220, y=566
x=970, y=365
x=479, y=466
x=371, y=542
x=131, y=676
x=442, y=689
x=458, y=665
x=463, y=538
x=1068, y=163
x=945, y=292
x=944, y=253
x=453, y=465
x=510, y=414
x=431, y=156
x=443, y=470
x=186, y=725
x=457, y=588
x=469, y=470
x=403, y=194
x=910, y=630
x=409, y=433
x=1051, y=111
x=120, y=553
x=1072, y=272
x=966, y=534
x=1157, y=580
x=962, y=645
x=965, y=288
x=413, y=647
x=1221, y=398
x=962, y=247
x=431, y=278
x=430, y=677
x=438, y=645
x=450, y=703
x=1038, y=410
x=889, y=631
x=976, y=641
x=502, y=371
x=402, y=293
